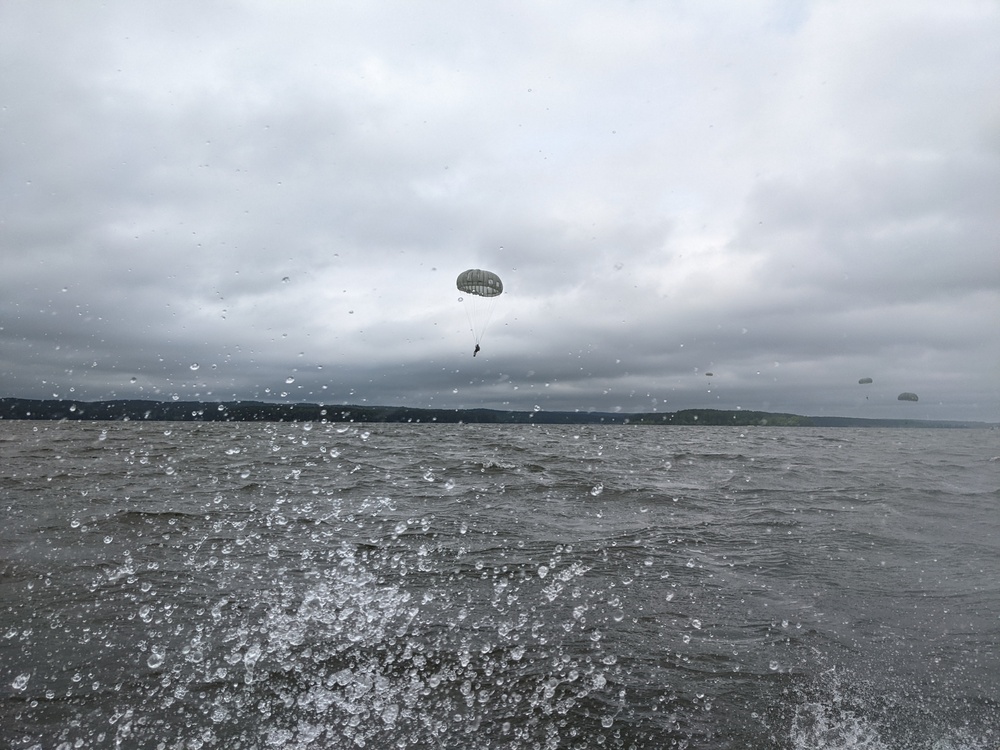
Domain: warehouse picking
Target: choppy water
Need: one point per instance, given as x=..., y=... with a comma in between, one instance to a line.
x=401, y=586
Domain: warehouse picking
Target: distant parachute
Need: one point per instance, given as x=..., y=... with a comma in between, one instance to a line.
x=483, y=287
x=708, y=374
x=907, y=396
x=864, y=381
x=479, y=282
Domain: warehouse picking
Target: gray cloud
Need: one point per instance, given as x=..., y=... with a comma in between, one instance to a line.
x=246, y=201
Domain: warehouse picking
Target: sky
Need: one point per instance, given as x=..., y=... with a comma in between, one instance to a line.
x=250, y=199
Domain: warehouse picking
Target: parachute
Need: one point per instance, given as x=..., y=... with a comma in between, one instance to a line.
x=708, y=374
x=482, y=288
x=907, y=396
x=864, y=381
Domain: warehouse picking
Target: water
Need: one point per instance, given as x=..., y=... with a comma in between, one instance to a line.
x=252, y=585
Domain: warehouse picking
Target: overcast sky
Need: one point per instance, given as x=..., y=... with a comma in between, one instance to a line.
x=270, y=200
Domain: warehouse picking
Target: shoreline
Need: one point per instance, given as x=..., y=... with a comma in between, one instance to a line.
x=261, y=411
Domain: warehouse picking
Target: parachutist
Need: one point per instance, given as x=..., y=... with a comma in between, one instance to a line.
x=482, y=288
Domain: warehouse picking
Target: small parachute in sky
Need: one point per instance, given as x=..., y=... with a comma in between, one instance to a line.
x=483, y=287
x=907, y=396
x=709, y=374
x=864, y=381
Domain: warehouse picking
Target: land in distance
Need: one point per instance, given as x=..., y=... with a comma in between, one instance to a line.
x=260, y=411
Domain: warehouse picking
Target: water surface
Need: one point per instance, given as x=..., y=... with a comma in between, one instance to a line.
x=251, y=585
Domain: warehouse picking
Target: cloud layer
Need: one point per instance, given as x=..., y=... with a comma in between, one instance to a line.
x=250, y=200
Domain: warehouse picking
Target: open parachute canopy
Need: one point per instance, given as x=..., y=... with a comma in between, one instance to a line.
x=907, y=396
x=864, y=381
x=479, y=282
x=483, y=287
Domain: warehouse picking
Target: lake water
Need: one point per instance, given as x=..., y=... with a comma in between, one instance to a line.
x=259, y=585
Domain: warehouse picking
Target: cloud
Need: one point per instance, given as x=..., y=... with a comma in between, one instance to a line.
x=791, y=195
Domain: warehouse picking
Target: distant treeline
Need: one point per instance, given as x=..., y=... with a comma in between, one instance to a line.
x=259, y=411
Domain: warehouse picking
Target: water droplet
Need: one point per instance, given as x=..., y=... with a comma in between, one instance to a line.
x=390, y=713
x=289, y=379
x=21, y=681
x=597, y=489
x=543, y=570
x=195, y=365
x=133, y=379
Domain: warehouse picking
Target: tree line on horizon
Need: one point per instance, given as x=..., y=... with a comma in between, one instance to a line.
x=260, y=411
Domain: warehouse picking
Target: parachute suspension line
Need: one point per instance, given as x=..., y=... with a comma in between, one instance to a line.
x=467, y=304
x=488, y=305
x=479, y=312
